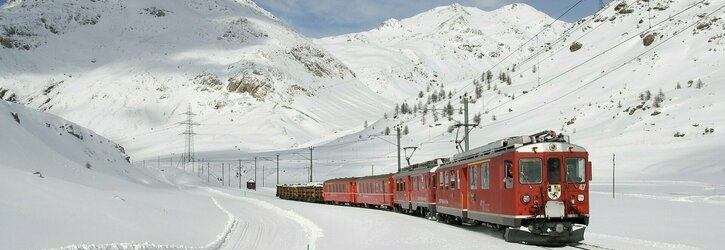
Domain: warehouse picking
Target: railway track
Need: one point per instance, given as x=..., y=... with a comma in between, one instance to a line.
x=583, y=246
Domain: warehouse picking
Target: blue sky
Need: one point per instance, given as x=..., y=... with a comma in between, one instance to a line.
x=318, y=18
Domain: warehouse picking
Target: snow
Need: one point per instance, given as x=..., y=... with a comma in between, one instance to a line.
x=131, y=88
x=119, y=68
x=163, y=207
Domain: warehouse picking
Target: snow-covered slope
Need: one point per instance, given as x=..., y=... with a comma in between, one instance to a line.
x=444, y=44
x=592, y=83
x=63, y=184
x=128, y=69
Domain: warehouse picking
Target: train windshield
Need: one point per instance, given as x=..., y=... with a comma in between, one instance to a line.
x=553, y=170
x=575, y=170
x=530, y=171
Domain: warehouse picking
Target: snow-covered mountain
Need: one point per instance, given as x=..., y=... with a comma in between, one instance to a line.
x=598, y=80
x=444, y=44
x=128, y=69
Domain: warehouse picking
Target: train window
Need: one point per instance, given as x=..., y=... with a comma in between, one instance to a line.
x=453, y=179
x=575, y=170
x=530, y=171
x=446, y=181
x=441, y=177
x=458, y=179
x=553, y=170
x=484, y=176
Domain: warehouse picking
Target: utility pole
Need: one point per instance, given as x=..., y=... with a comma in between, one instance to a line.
x=278, y=169
x=310, y=164
x=255, y=170
x=207, y=172
x=222, y=174
x=229, y=174
x=465, y=119
x=188, y=155
x=614, y=164
x=372, y=169
x=397, y=130
x=239, y=174
x=465, y=99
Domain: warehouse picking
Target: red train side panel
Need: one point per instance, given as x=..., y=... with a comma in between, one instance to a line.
x=339, y=191
x=375, y=190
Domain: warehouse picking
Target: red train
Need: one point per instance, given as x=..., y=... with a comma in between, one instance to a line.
x=534, y=187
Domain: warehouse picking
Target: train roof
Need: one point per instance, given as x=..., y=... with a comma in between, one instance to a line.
x=341, y=179
x=545, y=141
x=374, y=176
x=422, y=167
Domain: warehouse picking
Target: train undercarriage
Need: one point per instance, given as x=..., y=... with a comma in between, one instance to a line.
x=549, y=233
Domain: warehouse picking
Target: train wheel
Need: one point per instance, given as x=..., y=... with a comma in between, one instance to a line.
x=440, y=217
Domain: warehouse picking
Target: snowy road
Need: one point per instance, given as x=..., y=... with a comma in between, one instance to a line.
x=266, y=222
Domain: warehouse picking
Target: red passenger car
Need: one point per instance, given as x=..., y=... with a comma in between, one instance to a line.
x=339, y=191
x=539, y=182
x=374, y=191
x=414, y=190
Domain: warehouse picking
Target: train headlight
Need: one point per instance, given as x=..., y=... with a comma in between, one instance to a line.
x=526, y=198
x=580, y=197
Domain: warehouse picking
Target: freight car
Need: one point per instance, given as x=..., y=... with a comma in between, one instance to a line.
x=300, y=192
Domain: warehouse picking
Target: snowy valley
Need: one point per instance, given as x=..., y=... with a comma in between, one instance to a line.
x=94, y=95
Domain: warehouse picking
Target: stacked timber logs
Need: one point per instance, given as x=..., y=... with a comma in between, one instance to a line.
x=300, y=192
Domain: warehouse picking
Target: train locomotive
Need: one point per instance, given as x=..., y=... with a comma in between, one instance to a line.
x=534, y=188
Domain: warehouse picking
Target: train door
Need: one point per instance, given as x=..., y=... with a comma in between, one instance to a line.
x=409, y=190
x=474, y=194
x=507, y=173
x=433, y=186
x=351, y=191
x=463, y=187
